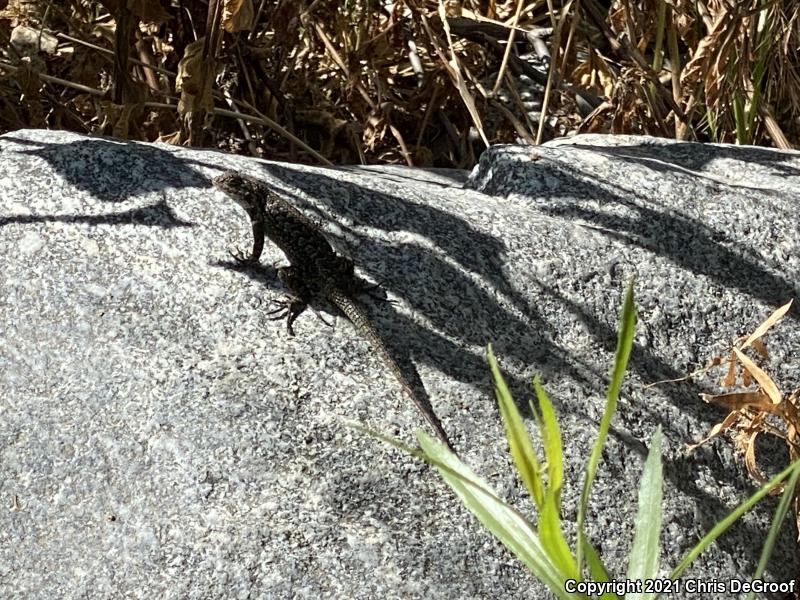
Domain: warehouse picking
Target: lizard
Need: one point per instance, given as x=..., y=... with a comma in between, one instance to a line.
x=315, y=271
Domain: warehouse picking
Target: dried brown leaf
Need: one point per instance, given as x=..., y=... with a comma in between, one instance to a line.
x=738, y=400
x=776, y=316
x=237, y=15
x=122, y=119
x=192, y=82
x=730, y=376
x=715, y=431
x=764, y=380
x=457, y=77
x=750, y=459
x=698, y=66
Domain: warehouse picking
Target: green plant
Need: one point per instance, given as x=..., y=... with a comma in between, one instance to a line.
x=544, y=550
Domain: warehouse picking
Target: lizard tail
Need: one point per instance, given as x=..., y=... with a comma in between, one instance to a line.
x=356, y=315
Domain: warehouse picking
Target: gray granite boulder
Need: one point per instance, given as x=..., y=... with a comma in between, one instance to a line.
x=161, y=437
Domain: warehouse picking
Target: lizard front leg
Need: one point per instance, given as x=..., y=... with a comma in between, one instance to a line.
x=258, y=244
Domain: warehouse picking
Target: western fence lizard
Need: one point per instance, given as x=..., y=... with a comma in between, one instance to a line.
x=315, y=271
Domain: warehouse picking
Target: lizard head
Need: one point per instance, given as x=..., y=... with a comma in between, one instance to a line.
x=243, y=189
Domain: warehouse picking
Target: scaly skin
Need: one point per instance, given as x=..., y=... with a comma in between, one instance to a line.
x=315, y=271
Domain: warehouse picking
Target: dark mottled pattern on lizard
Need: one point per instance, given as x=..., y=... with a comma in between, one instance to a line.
x=315, y=271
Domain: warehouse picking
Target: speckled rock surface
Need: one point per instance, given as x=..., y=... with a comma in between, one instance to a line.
x=161, y=437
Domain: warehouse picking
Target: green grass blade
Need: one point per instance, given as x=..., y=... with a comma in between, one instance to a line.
x=780, y=515
x=624, y=344
x=553, y=540
x=550, y=531
x=530, y=470
x=551, y=436
x=597, y=569
x=506, y=523
x=723, y=525
x=643, y=561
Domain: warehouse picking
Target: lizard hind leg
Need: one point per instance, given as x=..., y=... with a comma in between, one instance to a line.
x=374, y=291
x=354, y=285
x=291, y=308
x=297, y=301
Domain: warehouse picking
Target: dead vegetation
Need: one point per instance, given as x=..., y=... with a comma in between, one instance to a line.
x=756, y=406
x=416, y=82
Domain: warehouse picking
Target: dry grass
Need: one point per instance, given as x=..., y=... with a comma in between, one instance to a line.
x=416, y=82
x=757, y=406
